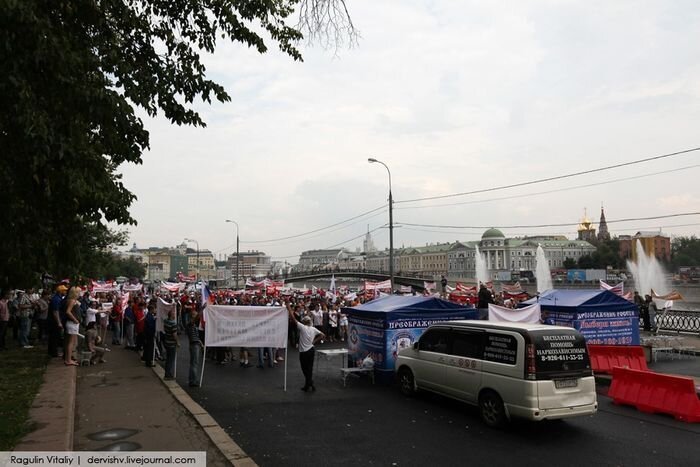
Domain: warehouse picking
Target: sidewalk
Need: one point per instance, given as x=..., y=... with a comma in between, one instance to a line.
x=122, y=405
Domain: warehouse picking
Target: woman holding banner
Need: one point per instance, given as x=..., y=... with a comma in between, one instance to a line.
x=308, y=336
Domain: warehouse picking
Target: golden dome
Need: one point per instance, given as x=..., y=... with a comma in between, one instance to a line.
x=586, y=223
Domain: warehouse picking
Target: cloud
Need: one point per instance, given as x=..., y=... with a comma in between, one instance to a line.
x=453, y=96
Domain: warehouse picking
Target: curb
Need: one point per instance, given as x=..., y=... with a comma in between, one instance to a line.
x=53, y=411
x=230, y=450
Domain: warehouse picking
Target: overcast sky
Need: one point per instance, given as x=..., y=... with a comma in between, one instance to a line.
x=454, y=96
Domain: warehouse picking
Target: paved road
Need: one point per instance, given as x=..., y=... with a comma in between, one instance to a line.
x=363, y=424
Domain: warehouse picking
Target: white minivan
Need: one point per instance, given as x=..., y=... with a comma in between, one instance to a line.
x=532, y=371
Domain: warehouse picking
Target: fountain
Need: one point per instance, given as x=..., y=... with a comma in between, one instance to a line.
x=482, y=272
x=542, y=272
x=648, y=273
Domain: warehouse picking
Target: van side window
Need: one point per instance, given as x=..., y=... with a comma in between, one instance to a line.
x=500, y=348
x=434, y=341
x=467, y=344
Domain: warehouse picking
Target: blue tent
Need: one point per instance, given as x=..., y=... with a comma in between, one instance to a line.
x=380, y=328
x=580, y=301
x=600, y=315
x=399, y=306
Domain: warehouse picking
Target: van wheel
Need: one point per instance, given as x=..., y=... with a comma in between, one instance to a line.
x=407, y=383
x=493, y=413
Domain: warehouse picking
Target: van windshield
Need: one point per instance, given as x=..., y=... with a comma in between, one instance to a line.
x=560, y=353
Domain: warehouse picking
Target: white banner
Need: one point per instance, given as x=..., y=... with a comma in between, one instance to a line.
x=162, y=310
x=132, y=287
x=246, y=326
x=384, y=285
x=173, y=286
x=530, y=314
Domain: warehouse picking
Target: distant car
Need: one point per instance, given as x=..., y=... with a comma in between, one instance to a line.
x=531, y=371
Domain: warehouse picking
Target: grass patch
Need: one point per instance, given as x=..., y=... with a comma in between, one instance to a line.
x=21, y=375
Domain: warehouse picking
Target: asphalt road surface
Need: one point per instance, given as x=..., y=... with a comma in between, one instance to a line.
x=362, y=424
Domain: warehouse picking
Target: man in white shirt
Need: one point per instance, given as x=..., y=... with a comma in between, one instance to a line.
x=308, y=336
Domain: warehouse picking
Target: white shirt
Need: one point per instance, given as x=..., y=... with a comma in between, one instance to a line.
x=91, y=314
x=306, y=336
x=317, y=317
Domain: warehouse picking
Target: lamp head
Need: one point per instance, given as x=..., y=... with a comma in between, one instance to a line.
x=371, y=159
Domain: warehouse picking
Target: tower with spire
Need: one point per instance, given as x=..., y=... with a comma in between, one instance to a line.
x=603, y=233
x=368, y=243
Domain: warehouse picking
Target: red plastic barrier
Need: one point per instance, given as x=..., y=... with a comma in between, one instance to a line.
x=656, y=393
x=605, y=357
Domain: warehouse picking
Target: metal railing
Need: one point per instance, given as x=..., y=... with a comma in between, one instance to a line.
x=678, y=320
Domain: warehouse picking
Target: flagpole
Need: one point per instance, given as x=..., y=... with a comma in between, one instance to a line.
x=204, y=362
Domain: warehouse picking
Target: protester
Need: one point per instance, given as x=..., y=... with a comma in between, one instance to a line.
x=93, y=344
x=644, y=310
x=170, y=343
x=333, y=324
x=41, y=315
x=116, y=318
x=270, y=357
x=651, y=312
x=129, y=320
x=343, y=327
x=71, y=321
x=4, y=318
x=140, y=324
x=243, y=355
x=150, y=336
x=308, y=336
x=55, y=323
x=24, y=314
x=196, y=348
x=485, y=297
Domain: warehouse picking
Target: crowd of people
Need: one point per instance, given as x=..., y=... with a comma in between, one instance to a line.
x=72, y=322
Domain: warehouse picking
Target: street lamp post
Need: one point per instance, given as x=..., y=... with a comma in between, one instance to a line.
x=237, y=252
x=391, y=224
x=195, y=241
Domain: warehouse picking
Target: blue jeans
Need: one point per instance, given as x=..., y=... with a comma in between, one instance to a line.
x=271, y=357
x=195, y=363
x=116, y=333
x=129, y=333
x=170, y=354
x=25, y=326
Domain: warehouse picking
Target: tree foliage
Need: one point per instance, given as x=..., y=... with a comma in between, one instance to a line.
x=685, y=251
x=606, y=255
x=73, y=73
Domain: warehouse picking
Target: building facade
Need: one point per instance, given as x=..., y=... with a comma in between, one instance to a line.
x=655, y=243
x=251, y=263
x=320, y=259
x=503, y=255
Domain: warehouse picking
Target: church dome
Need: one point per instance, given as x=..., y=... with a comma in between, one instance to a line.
x=492, y=233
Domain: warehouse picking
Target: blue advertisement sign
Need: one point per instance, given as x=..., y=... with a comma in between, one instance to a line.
x=573, y=275
x=365, y=339
x=615, y=331
x=602, y=327
x=382, y=339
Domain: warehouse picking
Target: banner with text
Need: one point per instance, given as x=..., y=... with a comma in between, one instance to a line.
x=246, y=326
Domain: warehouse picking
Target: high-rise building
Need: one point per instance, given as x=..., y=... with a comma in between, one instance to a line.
x=368, y=243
